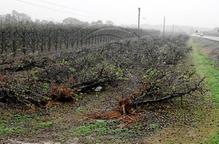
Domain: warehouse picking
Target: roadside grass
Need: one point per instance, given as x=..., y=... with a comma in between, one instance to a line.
x=207, y=68
x=206, y=129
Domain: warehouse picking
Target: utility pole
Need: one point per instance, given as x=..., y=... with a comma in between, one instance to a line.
x=173, y=29
x=139, y=18
x=164, y=26
x=1, y=23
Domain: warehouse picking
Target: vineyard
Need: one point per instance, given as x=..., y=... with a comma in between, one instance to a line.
x=37, y=80
x=31, y=37
x=95, y=83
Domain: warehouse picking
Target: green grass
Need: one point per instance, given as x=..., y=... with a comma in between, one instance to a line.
x=100, y=127
x=206, y=67
x=14, y=125
x=44, y=125
x=214, y=139
x=4, y=129
x=22, y=124
x=154, y=126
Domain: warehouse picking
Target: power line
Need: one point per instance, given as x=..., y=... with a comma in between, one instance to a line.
x=63, y=6
x=45, y=7
x=49, y=8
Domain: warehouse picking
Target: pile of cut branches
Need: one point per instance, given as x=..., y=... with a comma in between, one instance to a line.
x=31, y=80
x=163, y=73
x=156, y=67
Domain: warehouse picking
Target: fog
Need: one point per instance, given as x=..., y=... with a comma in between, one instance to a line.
x=201, y=13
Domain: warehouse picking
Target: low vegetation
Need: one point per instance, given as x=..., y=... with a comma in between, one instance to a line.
x=125, y=90
x=207, y=66
x=122, y=90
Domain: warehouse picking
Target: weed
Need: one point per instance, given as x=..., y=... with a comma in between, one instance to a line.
x=34, y=74
x=214, y=139
x=63, y=62
x=44, y=125
x=4, y=129
x=21, y=118
x=77, y=97
x=103, y=128
x=45, y=87
x=154, y=126
x=80, y=110
x=100, y=127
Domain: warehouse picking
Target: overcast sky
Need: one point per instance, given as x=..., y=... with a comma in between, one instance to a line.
x=203, y=13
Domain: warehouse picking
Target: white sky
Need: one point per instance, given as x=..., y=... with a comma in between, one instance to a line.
x=202, y=13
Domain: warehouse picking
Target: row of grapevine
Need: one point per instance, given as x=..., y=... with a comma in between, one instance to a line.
x=30, y=37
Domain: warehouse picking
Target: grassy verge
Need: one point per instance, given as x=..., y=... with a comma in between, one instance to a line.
x=206, y=67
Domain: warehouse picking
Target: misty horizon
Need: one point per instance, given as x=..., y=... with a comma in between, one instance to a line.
x=183, y=13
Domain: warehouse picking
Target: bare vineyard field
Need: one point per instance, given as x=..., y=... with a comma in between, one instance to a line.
x=67, y=84
x=18, y=37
